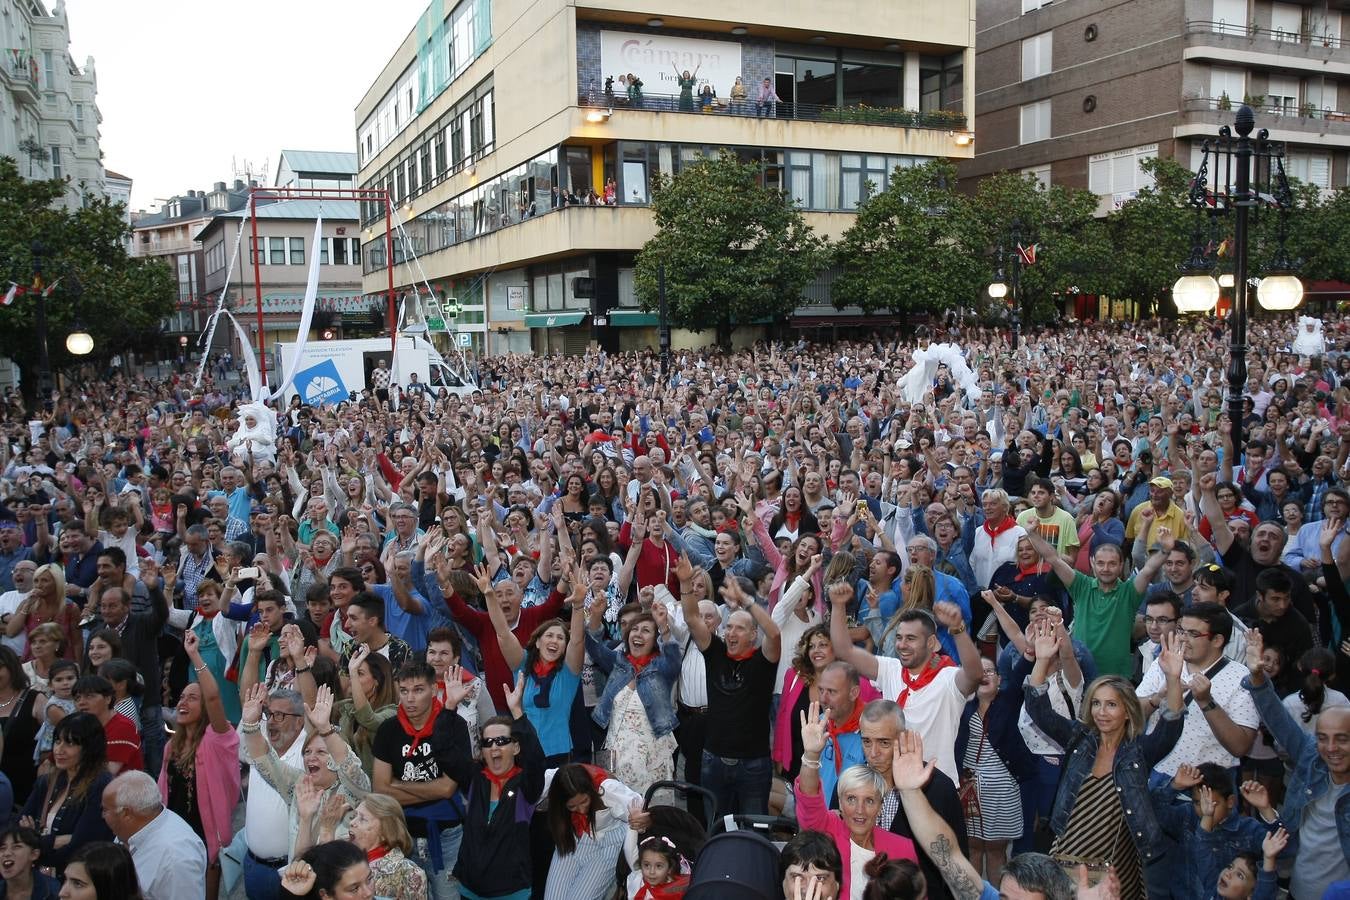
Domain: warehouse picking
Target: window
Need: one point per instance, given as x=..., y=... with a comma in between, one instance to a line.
x=1310, y=168
x=457, y=141
x=476, y=129
x=257, y=254
x=425, y=162
x=57, y=171
x=355, y=245
x=1286, y=20
x=1320, y=94
x=297, y=251
x=323, y=251
x=440, y=152
x=412, y=174
x=1035, y=122
x=1230, y=16
x=339, y=251
x=1036, y=59
x=276, y=251
x=1041, y=174
x=872, y=84
x=1227, y=84
x=79, y=116
x=48, y=70
x=1282, y=95
x=1118, y=174
x=1033, y=5
x=940, y=81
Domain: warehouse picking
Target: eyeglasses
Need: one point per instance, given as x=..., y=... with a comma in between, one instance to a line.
x=274, y=714
x=1193, y=634
x=1159, y=620
x=498, y=741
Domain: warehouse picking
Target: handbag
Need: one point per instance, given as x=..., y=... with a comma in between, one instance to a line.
x=968, y=788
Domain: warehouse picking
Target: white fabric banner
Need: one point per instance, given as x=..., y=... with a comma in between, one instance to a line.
x=654, y=58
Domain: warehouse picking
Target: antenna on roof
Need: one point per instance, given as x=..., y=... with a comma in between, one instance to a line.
x=248, y=171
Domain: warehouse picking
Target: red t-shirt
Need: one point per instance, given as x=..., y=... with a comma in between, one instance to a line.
x=124, y=742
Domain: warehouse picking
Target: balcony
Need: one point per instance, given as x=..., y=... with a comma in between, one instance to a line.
x=941, y=119
x=1240, y=44
x=20, y=72
x=1202, y=116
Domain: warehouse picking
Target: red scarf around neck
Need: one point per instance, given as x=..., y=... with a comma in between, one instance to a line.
x=742, y=657
x=1003, y=525
x=920, y=681
x=640, y=662
x=375, y=853
x=669, y=891
x=425, y=731
x=499, y=781
x=1039, y=569
x=848, y=726
x=543, y=669
x=581, y=822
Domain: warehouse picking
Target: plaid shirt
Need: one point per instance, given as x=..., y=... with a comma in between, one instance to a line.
x=191, y=572
x=1312, y=511
x=234, y=526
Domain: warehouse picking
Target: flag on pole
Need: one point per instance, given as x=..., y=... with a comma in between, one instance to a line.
x=10, y=294
x=1028, y=254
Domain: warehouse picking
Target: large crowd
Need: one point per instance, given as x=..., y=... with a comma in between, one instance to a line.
x=774, y=623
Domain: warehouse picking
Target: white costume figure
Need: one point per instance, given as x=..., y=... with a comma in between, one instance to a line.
x=1308, y=341
x=256, y=435
x=918, y=381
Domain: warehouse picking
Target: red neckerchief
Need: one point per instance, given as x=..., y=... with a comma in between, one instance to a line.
x=375, y=853
x=850, y=725
x=542, y=669
x=208, y=616
x=920, y=681
x=668, y=891
x=640, y=663
x=1039, y=569
x=994, y=531
x=581, y=822
x=499, y=781
x=425, y=731
x=792, y=519
x=742, y=657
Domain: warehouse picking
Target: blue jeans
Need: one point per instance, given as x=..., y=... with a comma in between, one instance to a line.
x=443, y=884
x=1038, y=800
x=152, y=738
x=261, y=882
x=740, y=785
x=1159, y=875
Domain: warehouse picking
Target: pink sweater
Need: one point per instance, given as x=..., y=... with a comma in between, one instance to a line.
x=217, y=781
x=785, y=726
x=812, y=814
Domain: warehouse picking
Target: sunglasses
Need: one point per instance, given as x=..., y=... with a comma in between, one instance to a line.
x=498, y=741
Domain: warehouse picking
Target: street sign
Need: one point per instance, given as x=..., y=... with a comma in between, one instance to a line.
x=466, y=339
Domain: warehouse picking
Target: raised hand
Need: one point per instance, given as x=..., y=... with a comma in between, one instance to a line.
x=948, y=614
x=1256, y=645
x=483, y=578
x=1273, y=845
x=908, y=769
x=192, y=645
x=639, y=819
x=298, y=878
x=1108, y=888
x=813, y=729
x=1046, y=641
x=359, y=655
x=320, y=714
x=841, y=592
x=662, y=617
x=256, y=699
x=258, y=636
x=1186, y=778
x=1171, y=658
x=333, y=810
x=1200, y=688
x=308, y=796
x=1256, y=795
x=1208, y=804
x=1331, y=529
x=514, y=695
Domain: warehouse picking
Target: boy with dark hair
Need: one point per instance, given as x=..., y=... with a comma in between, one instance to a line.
x=365, y=623
x=94, y=694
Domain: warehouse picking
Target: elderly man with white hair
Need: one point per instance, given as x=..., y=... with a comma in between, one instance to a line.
x=170, y=859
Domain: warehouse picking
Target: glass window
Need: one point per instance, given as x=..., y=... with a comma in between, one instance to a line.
x=1118, y=174
x=425, y=162
x=816, y=82
x=412, y=173
x=555, y=291
x=872, y=85
x=633, y=184
x=1229, y=84
x=1036, y=55
x=440, y=152
x=1035, y=124
x=276, y=251
x=57, y=170
x=457, y=141
x=824, y=181
x=297, y=251
x=577, y=163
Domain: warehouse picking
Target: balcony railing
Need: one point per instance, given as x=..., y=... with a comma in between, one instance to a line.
x=781, y=109
x=1311, y=37
x=1263, y=107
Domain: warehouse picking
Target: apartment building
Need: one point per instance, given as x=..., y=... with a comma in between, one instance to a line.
x=49, y=118
x=496, y=121
x=1078, y=92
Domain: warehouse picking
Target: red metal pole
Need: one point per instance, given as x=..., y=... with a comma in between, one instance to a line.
x=389, y=266
x=257, y=287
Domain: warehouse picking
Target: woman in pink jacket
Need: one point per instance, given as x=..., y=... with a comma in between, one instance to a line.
x=200, y=777
x=854, y=827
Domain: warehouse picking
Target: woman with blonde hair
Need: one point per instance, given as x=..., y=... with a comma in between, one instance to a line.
x=919, y=590
x=379, y=828
x=47, y=603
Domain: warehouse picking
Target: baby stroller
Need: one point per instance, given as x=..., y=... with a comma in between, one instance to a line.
x=736, y=865
x=684, y=830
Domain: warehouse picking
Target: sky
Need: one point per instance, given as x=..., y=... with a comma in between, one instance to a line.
x=191, y=90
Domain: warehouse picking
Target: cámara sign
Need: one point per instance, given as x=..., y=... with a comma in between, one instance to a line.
x=654, y=59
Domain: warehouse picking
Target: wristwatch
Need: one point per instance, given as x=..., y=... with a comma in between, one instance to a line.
x=1208, y=706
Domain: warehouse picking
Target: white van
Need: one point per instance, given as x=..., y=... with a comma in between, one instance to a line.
x=331, y=371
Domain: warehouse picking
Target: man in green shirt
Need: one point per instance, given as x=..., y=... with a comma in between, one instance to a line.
x=1049, y=520
x=1103, y=607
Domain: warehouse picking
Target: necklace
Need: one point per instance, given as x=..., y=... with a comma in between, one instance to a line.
x=8, y=702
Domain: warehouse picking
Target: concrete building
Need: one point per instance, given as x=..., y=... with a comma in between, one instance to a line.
x=119, y=191
x=316, y=169
x=285, y=244
x=492, y=110
x=170, y=234
x=49, y=118
x=1077, y=92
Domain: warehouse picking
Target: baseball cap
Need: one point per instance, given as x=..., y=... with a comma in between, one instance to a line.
x=1162, y=482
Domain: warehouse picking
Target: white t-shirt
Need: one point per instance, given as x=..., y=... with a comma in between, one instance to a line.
x=1294, y=703
x=934, y=712
x=1197, y=743
x=9, y=602
x=1067, y=705
x=858, y=858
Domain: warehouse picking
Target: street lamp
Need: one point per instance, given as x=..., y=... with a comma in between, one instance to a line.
x=1251, y=186
x=79, y=342
x=1006, y=287
x=998, y=289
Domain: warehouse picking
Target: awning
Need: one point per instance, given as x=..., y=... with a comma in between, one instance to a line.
x=633, y=318
x=554, y=320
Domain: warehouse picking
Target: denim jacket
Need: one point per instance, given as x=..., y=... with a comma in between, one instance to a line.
x=655, y=683
x=1207, y=853
x=1309, y=779
x=1130, y=770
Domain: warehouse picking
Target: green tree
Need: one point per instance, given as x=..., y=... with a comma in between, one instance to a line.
x=1153, y=234
x=906, y=252
x=119, y=299
x=1317, y=229
x=733, y=250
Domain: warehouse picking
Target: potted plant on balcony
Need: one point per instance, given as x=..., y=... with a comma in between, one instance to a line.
x=1225, y=102
x=1255, y=101
x=1307, y=111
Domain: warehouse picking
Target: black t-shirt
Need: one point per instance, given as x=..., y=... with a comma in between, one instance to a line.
x=1290, y=632
x=1245, y=569
x=446, y=752
x=739, y=698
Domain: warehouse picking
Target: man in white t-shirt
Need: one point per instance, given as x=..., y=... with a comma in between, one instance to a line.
x=1221, y=718
x=24, y=570
x=928, y=687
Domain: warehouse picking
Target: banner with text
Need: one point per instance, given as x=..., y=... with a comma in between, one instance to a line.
x=655, y=59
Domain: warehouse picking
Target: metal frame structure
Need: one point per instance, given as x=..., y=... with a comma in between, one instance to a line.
x=297, y=193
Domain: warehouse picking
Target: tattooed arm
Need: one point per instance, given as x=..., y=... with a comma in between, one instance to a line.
x=931, y=832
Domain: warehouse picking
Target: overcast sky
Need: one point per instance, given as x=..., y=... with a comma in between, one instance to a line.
x=189, y=89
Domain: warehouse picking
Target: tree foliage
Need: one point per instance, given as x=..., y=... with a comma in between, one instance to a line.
x=733, y=250
x=119, y=299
